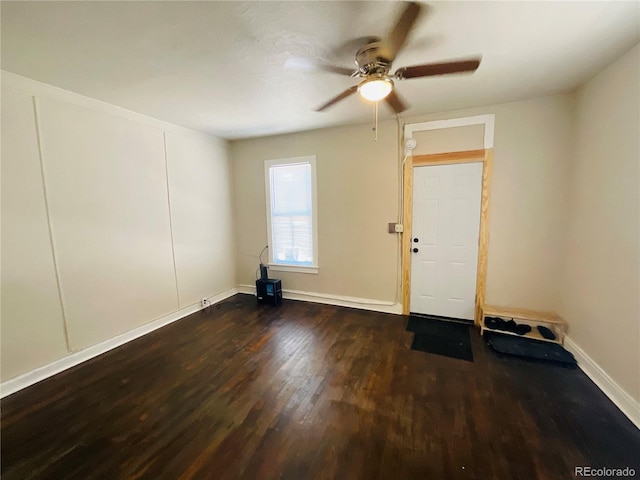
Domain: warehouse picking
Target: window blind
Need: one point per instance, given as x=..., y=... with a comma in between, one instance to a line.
x=291, y=214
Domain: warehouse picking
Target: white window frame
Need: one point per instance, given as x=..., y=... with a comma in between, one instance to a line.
x=279, y=267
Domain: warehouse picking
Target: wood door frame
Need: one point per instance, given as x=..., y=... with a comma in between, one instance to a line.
x=486, y=157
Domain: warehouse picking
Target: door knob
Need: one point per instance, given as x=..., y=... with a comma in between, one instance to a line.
x=415, y=240
x=415, y=250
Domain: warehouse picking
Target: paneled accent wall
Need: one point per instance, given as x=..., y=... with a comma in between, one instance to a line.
x=33, y=331
x=110, y=220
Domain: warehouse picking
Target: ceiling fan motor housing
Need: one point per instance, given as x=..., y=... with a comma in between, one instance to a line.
x=370, y=60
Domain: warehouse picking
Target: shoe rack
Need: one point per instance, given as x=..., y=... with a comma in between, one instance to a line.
x=528, y=317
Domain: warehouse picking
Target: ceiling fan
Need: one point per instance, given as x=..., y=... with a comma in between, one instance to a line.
x=374, y=61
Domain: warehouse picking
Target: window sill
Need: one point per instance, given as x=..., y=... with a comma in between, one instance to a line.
x=277, y=267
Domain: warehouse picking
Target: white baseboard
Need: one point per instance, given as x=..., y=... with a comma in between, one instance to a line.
x=328, y=299
x=34, y=376
x=625, y=402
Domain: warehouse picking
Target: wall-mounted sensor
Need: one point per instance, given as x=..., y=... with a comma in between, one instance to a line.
x=410, y=144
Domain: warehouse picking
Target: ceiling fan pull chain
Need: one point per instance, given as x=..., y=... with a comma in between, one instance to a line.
x=375, y=128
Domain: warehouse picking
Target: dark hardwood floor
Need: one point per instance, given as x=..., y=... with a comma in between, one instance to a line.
x=308, y=391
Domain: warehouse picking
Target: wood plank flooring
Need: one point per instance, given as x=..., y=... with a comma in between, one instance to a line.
x=308, y=391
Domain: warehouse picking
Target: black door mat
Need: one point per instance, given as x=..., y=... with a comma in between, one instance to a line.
x=529, y=348
x=441, y=338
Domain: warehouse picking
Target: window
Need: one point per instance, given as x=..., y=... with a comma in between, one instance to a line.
x=292, y=214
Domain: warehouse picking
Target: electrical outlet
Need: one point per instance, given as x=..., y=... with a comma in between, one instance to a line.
x=399, y=228
x=205, y=302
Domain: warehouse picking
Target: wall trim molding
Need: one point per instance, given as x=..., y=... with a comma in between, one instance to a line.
x=41, y=373
x=488, y=120
x=338, y=300
x=625, y=402
x=40, y=89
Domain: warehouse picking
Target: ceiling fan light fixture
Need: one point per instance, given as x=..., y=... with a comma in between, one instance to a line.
x=375, y=89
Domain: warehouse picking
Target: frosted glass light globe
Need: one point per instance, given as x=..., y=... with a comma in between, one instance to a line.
x=375, y=90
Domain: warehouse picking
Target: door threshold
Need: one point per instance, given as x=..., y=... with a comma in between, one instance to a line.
x=443, y=319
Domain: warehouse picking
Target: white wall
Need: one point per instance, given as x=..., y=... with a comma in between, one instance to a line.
x=107, y=196
x=201, y=216
x=452, y=139
x=533, y=142
x=89, y=239
x=358, y=196
x=32, y=332
x=601, y=268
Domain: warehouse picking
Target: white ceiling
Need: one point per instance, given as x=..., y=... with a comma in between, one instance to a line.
x=217, y=67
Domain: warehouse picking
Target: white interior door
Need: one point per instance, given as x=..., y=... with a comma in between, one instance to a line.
x=444, y=242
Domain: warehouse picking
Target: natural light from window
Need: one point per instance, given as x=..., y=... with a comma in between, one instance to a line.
x=291, y=216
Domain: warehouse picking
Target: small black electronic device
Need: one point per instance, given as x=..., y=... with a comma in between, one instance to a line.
x=264, y=275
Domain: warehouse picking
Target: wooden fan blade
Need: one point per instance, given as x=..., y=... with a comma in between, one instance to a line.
x=397, y=36
x=343, y=95
x=393, y=100
x=431, y=69
x=294, y=62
